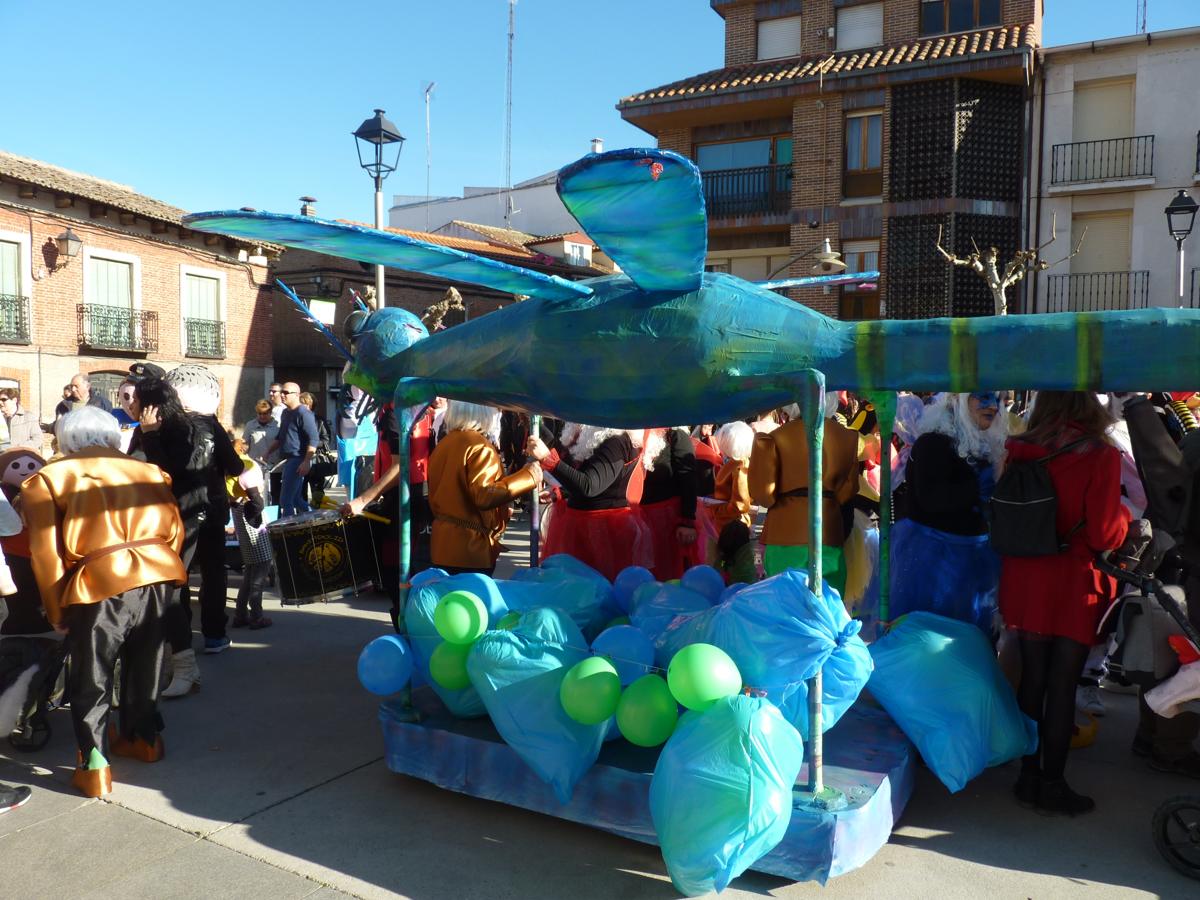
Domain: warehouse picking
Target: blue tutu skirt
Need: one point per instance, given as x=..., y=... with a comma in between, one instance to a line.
x=952, y=575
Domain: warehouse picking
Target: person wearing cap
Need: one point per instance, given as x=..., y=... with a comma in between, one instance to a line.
x=24, y=430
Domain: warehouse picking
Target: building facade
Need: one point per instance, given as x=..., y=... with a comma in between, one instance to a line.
x=139, y=286
x=1119, y=132
x=877, y=125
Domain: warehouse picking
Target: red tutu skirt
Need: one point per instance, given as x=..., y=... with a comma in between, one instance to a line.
x=608, y=540
x=671, y=558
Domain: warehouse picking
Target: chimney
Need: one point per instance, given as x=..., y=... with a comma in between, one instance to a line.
x=597, y=145
x=308, y=206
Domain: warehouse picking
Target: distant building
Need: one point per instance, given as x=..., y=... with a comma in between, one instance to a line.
x=872, y=124
x=1118, y=136
x=140, y=287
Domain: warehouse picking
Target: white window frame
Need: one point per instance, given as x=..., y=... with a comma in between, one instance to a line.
x=135, y=262
x=867, y=245
x=25, y=261
x=222, y=300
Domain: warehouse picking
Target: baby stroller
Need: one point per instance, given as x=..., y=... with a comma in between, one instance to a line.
x=34, y=667
x=1145, y=621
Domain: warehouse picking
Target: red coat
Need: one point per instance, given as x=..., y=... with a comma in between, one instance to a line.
x=1065, y=595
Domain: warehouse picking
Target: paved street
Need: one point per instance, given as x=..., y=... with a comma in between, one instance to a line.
x=274, y=787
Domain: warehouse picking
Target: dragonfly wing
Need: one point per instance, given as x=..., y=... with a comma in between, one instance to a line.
x=819, y=280
x=398, y=251
x=645, y=209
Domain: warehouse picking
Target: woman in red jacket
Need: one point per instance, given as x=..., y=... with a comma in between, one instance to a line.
x=1054, y=603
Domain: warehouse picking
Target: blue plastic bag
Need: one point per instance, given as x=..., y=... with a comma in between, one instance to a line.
x=589, y=602
x=779, y=633
x=939, y=680
x=721, y=795
x=953, y=575
x=655, y=607
x=423, y=636
x=517, y=675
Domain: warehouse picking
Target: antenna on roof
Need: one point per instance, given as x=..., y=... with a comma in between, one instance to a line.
x=1141, y=15
x=428, y=150
x=512, y=19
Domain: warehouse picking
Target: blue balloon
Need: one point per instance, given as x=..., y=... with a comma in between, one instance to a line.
x=629, y=650
x=705, y=581
x=385, y=665
x=643, y=593
x=628, y=581
x=427, y=575
x=731, y=590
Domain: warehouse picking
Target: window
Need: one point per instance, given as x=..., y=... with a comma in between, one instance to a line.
x=943, y=16
x=734, y=155
x=778, y=38
x=110, y=282
x=860, y=26
x=202, y=307
x=747, y=177
x=863, y=175
x=10, y=268
x=859, y=302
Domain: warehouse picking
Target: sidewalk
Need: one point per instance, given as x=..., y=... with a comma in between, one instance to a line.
x=274, y=787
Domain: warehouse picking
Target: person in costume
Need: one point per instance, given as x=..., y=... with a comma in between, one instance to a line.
x=941, y=560
x=730, y=499
x=1055, y=603
x=25, y=615
x=246, y=507
x=668, y=501
x=469, y=494
x=593, y=520
x=105, y=535
x=778, y=479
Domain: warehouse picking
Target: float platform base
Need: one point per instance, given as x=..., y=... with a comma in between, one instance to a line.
x=866, y=757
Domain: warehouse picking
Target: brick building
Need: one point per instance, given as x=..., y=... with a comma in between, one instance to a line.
x=870, y=123
x=328, y=283
x=138, y=287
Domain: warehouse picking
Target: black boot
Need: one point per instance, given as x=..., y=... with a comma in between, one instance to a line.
x=1027, y=786
x=1055, y=796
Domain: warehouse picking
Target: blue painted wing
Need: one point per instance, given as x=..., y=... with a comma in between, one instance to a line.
x=820, y=280
x=384, y=248
x=334, y=340
x=645, y=209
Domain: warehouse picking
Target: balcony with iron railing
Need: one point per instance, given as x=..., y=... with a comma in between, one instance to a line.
x=1194, y=290
x=14, y=319
x=1093, y=291
x=1117, y=159
x=117, y=328
x=205, y=338
x=752, y=191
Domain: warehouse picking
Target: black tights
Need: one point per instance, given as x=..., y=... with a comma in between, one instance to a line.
x=1050, y=670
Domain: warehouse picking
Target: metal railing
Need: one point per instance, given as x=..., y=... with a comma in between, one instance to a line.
x=756, y=190
x=1092, y=291
x=14, y=319
x=1194, y=290
x=205, y=338
x=1198, y=151
x=1131, y=157
x=115, y=328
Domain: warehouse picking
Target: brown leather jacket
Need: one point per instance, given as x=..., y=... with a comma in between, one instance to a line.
x=81, y=506
x=732, y=486
x=779, y=467
x=469, y=497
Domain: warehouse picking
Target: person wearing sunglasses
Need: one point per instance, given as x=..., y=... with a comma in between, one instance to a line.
x=24, y=430
x=941, y=558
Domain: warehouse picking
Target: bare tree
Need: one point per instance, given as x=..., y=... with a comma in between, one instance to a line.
x=987, y=265
x=434, y=314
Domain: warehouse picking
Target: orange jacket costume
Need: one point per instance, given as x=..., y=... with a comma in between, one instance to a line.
x=732, y=487
x=778, y=480
x=79, y=508
x=469, y=496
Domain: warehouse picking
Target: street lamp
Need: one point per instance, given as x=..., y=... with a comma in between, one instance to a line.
x=370, y=139
x=1181, y=215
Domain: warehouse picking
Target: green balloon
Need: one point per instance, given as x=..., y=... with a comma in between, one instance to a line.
x=448, y=666
x=612, y=623
x=509, y=621
x=701, y=674
x=460, y=617
x=672, y=581
x=590, y=691
x=647, y=713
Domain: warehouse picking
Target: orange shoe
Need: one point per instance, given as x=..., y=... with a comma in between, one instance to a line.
x=138, y=748
x=93, y=782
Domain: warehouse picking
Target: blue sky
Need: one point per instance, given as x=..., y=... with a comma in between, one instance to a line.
x=224, y=104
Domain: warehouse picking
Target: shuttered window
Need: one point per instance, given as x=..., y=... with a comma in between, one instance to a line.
x=110, y=282
x=1103, y=111
x=1106, y=246
x=202, y=298
x=860, y=26
x=10, y=267
x=778, y=38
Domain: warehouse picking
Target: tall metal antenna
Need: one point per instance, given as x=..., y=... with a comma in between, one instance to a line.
x=1141, y=15
x=512, y=19
x=428, y=151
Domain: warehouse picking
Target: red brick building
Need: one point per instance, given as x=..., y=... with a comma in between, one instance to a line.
x=138, y=286
x=870, y=123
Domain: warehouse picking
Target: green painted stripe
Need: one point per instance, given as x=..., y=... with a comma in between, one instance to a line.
x=1089, y=352
x=964, y=357
x=869, y=361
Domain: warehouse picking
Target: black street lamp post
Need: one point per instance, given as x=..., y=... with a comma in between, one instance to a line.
x=1181, y=216
x=371, y=137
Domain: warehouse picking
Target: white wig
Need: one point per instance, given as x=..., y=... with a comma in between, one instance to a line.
x=88, y=426
x=197, y=387
x=463, y=416
x=581, y=441
x=950, y=415
x=735, y=440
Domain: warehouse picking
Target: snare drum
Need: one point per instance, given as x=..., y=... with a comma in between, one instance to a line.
x=319, y=554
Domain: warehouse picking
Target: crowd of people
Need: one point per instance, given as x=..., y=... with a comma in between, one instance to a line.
x=173, y=479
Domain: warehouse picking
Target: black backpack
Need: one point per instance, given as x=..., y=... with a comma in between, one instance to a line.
x=1025, y=509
